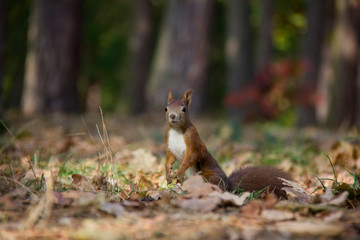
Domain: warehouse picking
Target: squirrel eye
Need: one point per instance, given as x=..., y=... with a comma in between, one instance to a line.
x=184, y=109
x=166, y=109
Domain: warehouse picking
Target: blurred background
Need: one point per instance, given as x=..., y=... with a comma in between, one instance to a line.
x=296, y=62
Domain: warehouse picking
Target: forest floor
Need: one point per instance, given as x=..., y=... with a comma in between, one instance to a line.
x=85, y=178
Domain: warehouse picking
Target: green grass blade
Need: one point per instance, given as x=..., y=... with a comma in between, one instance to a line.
x=322, y=184
x=332, y=166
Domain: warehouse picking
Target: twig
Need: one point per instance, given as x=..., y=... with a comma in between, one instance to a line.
x=88, y=130
x=106, y=137
x=20, y=146
x=12, y=170
x=21, y=185
x=43, y=209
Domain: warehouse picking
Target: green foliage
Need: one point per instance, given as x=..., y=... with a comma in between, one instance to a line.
x=253, y=195
x=105, y=54
x=15, y=51
x=106, y=37
x=256, y=194
x=290, y=23
x=339, y=187
x=275, y=147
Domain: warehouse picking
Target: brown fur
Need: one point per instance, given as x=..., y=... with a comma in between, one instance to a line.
x=258, y=178
x=198, y=157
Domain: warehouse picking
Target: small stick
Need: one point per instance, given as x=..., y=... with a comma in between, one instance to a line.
x=20, y=146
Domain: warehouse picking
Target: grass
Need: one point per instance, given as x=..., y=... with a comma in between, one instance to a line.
x=339, y=187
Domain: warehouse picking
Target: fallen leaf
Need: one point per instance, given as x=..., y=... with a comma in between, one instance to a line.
x=252, y=209
x=114, y=209
x=81, y=183
x=310, y=228
x=62, y=201
x=143, y=160
x=339, y=199
x=328, y=195
x=154, y=194
x=199, y=204
x=196, y=187
x=29, y=175
x=300, y=193
x=132, y=204
x=276, y=215
x=227, y=198
x=334, y=216
x=90, y=199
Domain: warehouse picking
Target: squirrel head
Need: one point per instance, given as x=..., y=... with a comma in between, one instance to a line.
x=177, y=111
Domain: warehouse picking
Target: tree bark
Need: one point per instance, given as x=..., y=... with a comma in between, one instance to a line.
x=53, y=58
x=182, y=55
x=141, y=48
x=239, y=54
x=265, y=44
x=313, y=49
x=344, y=107
x=2, y=49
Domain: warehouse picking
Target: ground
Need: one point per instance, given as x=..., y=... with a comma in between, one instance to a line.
x=95, y=177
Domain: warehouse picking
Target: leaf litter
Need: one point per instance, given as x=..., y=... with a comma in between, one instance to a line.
x=70, y=181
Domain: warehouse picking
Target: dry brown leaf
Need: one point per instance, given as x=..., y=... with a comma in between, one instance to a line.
x=114, y=209
x=336, y=200
x=81, y=183
x=252, y=209
x=29, y=175
x=328, y=195
x=315, y=228
x=62, y=201
x=199, y=204
x=143, y=160
x=80, y=198
x=227, y=198
x=154, y=194
x=90, y=199
x=340, y=199
x=196, y=187
x=276, y=215
x=334, y=216
x=300, y=193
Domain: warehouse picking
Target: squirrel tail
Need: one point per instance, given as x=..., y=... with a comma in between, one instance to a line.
x=258, y=178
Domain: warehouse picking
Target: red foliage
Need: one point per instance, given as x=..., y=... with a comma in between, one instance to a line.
x=274, y=88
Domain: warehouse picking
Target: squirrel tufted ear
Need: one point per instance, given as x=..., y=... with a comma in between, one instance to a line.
x=187, y=97
x=170, y=97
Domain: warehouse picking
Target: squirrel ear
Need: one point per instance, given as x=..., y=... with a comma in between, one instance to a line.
x=187, y=97
x=170, y=97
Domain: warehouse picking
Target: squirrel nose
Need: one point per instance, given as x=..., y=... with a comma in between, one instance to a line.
x=172, y=116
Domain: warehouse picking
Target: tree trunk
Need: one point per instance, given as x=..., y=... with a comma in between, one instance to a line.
x=141, y=48
x=265, y=44
x=182, y=55
x=345, y=91
x=313, y=48
x=239, y=54
x=2, y=49
x=53, y=58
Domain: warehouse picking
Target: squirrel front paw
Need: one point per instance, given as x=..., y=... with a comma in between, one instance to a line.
x=179, y=179
x=169, y=179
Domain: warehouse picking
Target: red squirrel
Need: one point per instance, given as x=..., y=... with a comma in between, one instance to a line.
x=184, y=144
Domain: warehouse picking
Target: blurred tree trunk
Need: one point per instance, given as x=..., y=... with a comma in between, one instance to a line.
x=265, y=44
x=53, y=57
x=313, y=48
x=239, y=54
x=2, y=50
x=182, y=54
x=344, y=108
x=141, y=48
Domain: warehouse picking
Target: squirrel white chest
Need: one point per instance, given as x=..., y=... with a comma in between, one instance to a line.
x=176, y=144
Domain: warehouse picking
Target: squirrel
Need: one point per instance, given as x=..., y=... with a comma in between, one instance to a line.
x=184, y=144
